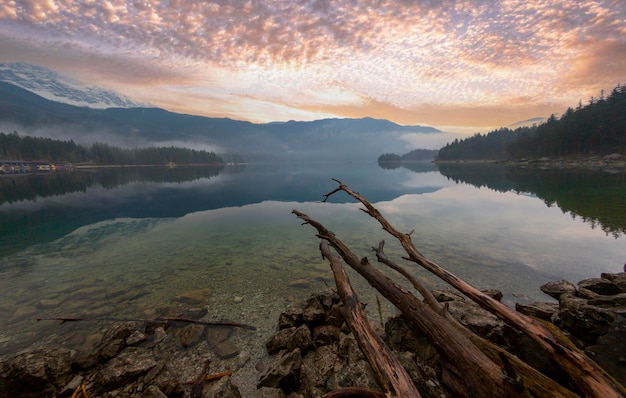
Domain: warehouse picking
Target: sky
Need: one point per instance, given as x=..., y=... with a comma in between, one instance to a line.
x=460, y=66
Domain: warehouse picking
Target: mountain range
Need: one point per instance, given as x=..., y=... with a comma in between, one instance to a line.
x=55, y=87
x=25, y=109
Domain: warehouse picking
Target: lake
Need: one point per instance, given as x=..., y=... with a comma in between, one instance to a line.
x=130, y=243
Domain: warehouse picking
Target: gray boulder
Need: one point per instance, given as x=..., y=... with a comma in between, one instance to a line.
x=290, y=318
x=283, y=371
x=610, y=351
x=35, y=373
x=557, y=288
x=125, y=367
x=289, y=339
x=585, y=321
x=268, y=392
x=538, y=309
x=221, y=388
x=152, y=392
x=600, y=286
x=314, y=310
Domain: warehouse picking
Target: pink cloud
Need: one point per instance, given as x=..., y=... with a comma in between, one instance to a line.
x=406, y=54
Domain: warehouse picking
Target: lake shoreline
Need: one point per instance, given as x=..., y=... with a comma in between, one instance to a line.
x=594, y=162
x=159, y=356
x=107, y=166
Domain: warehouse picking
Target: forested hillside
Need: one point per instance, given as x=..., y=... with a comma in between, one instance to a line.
x=16, y=147
x=416, y=155
x=490, y=146
x=595, y=129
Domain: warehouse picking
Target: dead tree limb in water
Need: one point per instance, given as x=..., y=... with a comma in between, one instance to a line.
x=429, y=298
x=159, y=319
x=514, y=369
x=466, y=370
x=518, y=375
x=392, y=377
x=592, y=380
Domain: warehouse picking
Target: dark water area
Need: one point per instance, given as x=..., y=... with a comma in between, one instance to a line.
x=39, y=208
x=121, y=242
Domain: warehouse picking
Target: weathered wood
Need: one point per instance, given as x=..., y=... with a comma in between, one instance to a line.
x=469, y=372
x=514, y=369
x=591, y=379
x=392, y=377
x=159, y=319
x=428, y=296
x=356, y=392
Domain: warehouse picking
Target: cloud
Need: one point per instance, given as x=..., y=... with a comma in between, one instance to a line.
x=338, y=54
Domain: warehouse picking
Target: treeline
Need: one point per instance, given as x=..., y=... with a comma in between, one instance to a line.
x=490, y=146
x=16, y=147
x=597, y=128
x=107, y=154
x=416, y=155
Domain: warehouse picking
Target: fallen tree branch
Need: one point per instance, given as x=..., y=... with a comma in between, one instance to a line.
x=356, y=392
x=80, y=389
x=591, y=379
x=514, y=369
x=197, y=385
x=392, y=377
x=211, y=377
x=428, y=296
x=160, y=319
x=467, y=371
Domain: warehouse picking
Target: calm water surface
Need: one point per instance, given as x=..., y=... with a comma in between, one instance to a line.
x=128, y=243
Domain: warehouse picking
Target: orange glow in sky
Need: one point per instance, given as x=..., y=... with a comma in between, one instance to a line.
x=455, y=65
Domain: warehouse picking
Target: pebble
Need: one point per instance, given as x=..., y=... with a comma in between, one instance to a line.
x=194, y=297
x=299, y=283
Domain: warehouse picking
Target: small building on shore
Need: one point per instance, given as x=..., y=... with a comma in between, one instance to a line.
x=14, y=166
x=22, y=166
x=41, y=165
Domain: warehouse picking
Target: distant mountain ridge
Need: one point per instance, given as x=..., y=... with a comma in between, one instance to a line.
x=528, y=122
x=52, y=86
x=348, y=139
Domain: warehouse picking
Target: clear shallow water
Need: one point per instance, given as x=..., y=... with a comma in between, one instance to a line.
x=130, y=250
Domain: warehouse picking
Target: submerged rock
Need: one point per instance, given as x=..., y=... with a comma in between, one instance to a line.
x=312, y=351
x=194, y=297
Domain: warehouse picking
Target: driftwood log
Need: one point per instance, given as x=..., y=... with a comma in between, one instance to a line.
x=471, y=366
x=390, y=373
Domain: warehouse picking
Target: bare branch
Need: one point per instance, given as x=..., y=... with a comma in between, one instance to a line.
x=390, y=373
x=592, y=380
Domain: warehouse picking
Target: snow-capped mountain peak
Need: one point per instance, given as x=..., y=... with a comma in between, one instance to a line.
x=55, y=87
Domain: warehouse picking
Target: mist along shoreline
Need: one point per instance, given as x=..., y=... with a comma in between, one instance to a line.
x=167, y=165
x=48, y=167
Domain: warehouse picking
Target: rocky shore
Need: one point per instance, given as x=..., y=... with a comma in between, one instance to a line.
x=311, y=353
x=614, y=162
